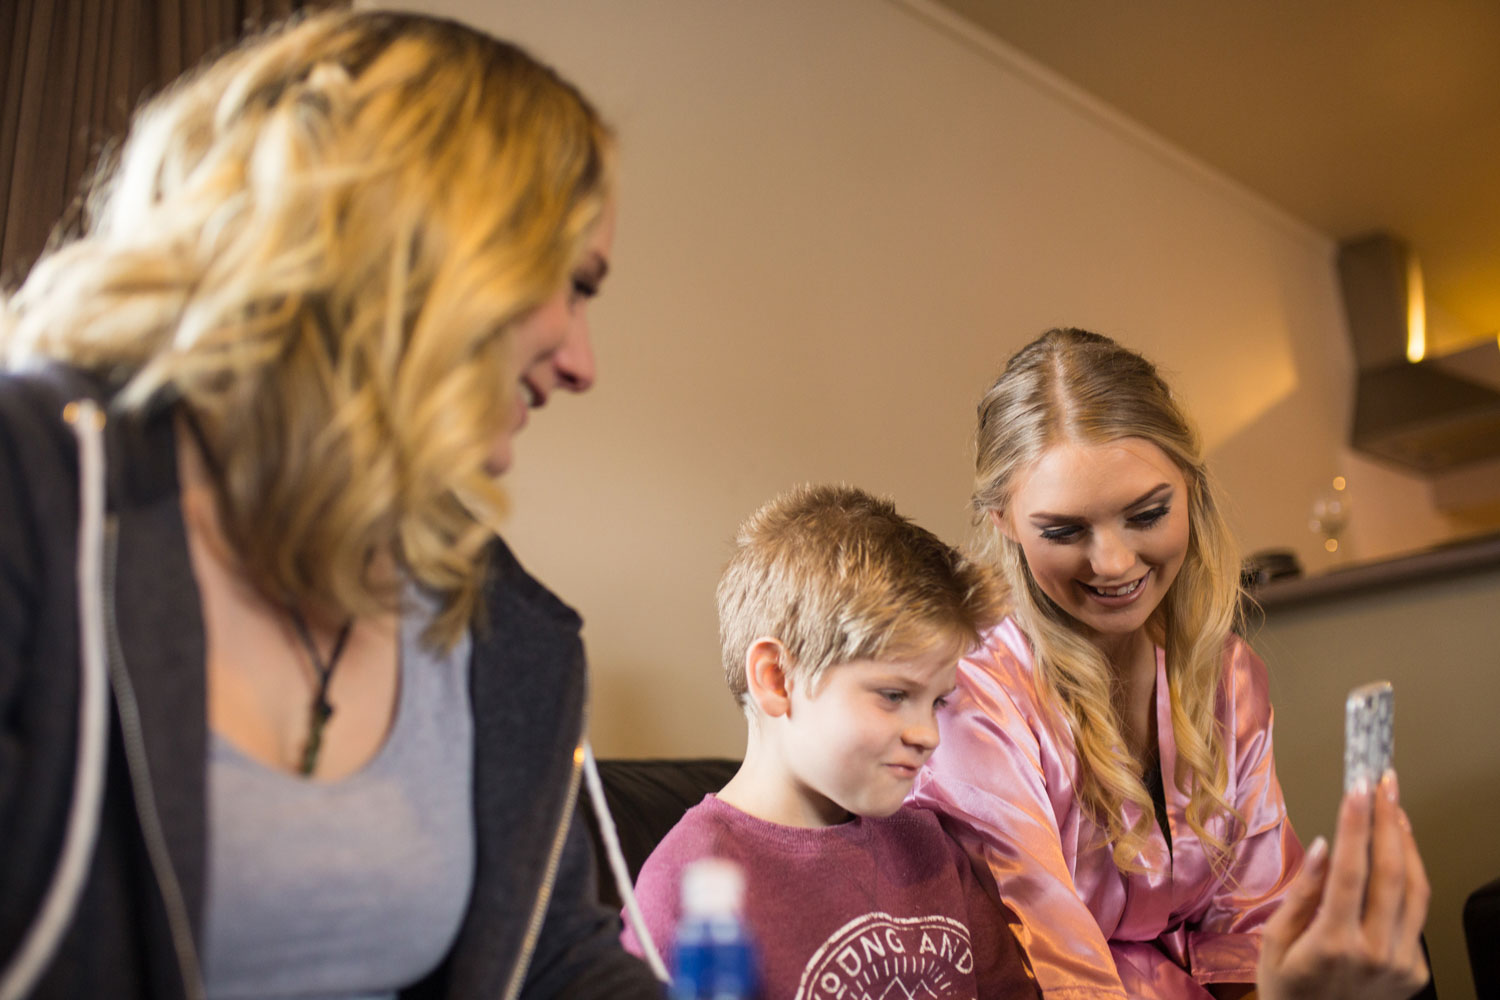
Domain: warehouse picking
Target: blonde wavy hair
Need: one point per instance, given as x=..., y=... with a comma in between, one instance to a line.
x=317, y=245
x=837, y=574
x=1074, y=386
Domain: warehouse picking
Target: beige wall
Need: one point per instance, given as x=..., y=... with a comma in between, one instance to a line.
x=1439, y=644
x=838, y=218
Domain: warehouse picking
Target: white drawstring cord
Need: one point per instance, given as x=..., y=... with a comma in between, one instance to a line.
x=611, y=840
x=46, y=931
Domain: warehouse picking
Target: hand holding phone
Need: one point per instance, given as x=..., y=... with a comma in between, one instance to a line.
x=1350, y=926
x=1369, y=734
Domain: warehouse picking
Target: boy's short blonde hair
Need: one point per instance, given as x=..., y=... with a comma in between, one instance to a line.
x=838, y=575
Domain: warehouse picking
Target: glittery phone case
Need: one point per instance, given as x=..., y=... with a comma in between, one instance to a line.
x=1369, y=733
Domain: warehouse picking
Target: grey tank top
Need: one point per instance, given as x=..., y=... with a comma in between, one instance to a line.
x=352, y=888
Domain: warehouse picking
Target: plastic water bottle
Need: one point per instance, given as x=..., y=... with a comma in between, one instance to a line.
x=714, y=956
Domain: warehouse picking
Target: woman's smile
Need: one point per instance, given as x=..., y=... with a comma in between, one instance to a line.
x=1117, y=595
x=1104, y=529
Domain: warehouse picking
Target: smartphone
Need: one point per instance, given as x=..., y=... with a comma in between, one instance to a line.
x=1369, y=733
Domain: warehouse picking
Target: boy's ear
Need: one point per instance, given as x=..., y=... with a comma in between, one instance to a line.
x=1001, y=523
x=766, y=663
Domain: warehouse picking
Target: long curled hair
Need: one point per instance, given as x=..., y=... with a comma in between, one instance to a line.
x=317, y=245
x=1074, y=386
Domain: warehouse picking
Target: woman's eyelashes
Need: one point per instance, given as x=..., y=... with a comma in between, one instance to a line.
x=587, y=278
x=1063, y=533
x=584, y=288
x=1066, y=533
x=1147, y=518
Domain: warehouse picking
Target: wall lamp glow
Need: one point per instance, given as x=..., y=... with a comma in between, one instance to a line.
x=1416, y=312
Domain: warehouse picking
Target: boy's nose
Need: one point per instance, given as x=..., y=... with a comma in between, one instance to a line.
x=922, y=736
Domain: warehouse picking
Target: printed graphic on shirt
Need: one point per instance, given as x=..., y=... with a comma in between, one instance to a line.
x=881, y=957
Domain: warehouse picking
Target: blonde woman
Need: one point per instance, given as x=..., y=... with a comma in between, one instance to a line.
x=318, y=293
x=1109, y=750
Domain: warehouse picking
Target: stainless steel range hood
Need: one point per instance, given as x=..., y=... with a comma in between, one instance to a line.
x=1426, y=414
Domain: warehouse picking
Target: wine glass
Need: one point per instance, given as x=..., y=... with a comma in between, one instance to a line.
x=1330, y=513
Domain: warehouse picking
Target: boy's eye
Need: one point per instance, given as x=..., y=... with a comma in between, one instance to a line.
x=1147, y=518
x=941, y=701
x=893, y=696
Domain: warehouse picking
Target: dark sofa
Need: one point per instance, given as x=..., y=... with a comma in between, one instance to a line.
x=646, y=799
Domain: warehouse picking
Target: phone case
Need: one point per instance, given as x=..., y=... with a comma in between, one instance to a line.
x=1369, y=733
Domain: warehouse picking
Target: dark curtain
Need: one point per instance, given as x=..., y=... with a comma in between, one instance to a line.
x=73, y=70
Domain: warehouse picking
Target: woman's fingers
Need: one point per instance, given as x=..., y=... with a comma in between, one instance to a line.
x=1350, y=924
x=1398, y=893
x=1289, y=924
x=1297, y=909
x=1395, y=905
x=1414, y=915
x=1349, y=863
x=1386, y=897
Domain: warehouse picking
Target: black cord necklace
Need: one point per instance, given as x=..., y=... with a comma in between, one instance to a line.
x=321, y=710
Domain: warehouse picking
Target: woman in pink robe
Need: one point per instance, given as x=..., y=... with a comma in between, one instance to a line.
x=1008, y=775
x=1109, y=748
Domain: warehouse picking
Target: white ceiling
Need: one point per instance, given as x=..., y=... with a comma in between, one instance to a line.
x=1352, y=115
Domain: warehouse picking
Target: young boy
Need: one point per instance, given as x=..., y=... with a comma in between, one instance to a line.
x=842, y=624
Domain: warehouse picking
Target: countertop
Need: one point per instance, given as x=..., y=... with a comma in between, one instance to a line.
x=1453, y=559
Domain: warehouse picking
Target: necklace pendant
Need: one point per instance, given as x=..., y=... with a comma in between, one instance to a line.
x=320, y=709
x=318, y=717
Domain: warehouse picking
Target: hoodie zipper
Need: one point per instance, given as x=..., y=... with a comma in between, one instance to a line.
x=140, y=779
x=549, y=877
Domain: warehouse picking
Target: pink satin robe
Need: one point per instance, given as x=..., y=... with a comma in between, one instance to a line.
x=1090, y=930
